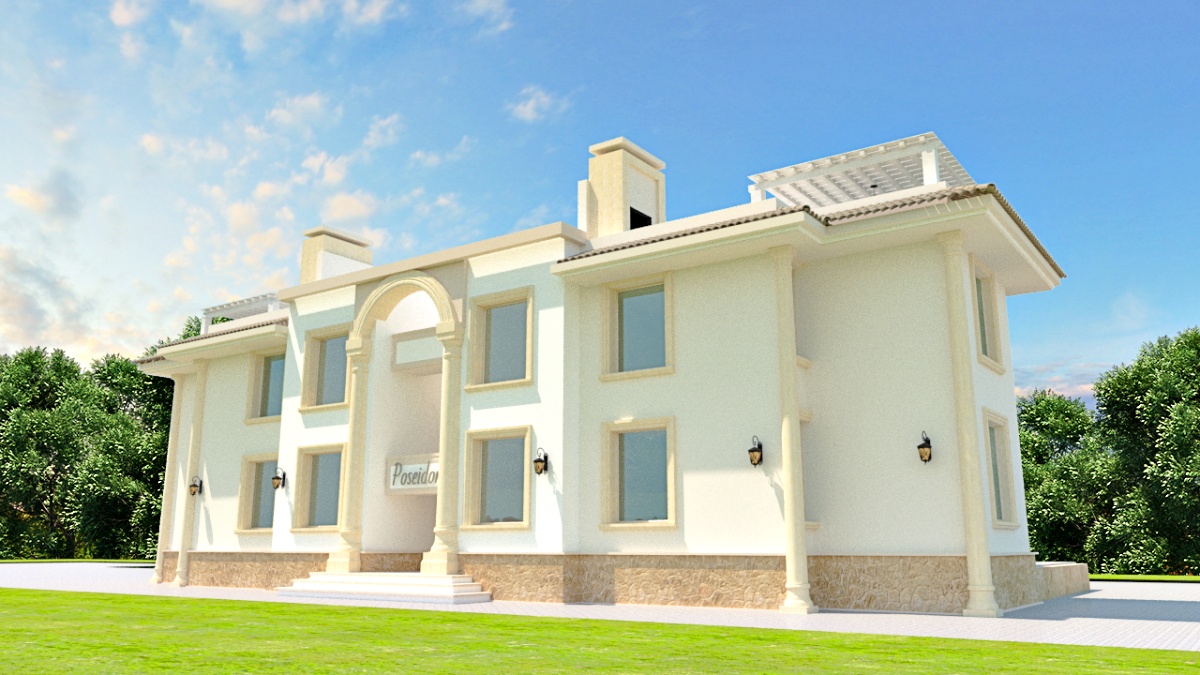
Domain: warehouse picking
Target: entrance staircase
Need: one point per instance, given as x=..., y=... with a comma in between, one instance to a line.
x=449, y=589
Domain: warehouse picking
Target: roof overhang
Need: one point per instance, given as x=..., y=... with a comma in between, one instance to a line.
x=216, y=345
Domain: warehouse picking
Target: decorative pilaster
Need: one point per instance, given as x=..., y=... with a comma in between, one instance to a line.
x=796, y=597
x=169, y=479
x=442, y=558
x=188, y=532
x=981, y=599
x=346, y=558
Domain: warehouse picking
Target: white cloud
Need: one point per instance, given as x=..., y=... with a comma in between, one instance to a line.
x=301, y=11
x=371, y=12
x=332, y=170
x=285, y=215
x=536, y=104
x=128, y=12
x=267, y=190
x=406, y=241
x=64, y=135
x=255, y=134
x=376, y=237
x=538, y=216
x=181, y=294
x=242, y=217
x=38, y=306
x=57, y=197
x=131, y=46
x=152, y=144
x=433, y=158
x=300, y=111
x=343, y=206
x=242, y=7
x=261, y=244
x=496, y=15
x=382, y=132
x=177, y=260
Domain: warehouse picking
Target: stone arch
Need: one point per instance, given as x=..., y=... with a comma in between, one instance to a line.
x=380, y=303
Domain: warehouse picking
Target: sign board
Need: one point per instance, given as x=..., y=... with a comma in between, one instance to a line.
x=412, y=474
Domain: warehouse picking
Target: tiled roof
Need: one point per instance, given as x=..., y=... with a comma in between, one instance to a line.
x=275, y=322
x=839, y=217
x=149, y=359
x=695, y=230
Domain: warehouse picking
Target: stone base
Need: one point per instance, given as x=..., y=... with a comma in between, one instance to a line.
x=935, y=584
x=244, y=570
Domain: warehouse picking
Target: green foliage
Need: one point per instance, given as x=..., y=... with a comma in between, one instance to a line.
x=82, y=455
x=1122, y=491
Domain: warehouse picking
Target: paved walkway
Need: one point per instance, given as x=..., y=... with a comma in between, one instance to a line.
x=1118, y=614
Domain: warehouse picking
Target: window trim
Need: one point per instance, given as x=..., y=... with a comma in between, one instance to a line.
x=477, y=336
x=246, y=494
x=611, y=325
x=303, y=491
x=474, y=472
x=610, y=474
x=1008, y=497
x=257, y=381
x=980, y=273
x=312, y=363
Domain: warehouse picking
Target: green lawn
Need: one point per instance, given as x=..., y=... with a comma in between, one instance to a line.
x=1143, y=577
x=76, y=560
x=55, y=632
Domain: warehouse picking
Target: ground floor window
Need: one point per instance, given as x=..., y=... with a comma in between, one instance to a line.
x=498, y=485
x=257, y=497
x=640, y=476
x=319, y=484
x=999, y=470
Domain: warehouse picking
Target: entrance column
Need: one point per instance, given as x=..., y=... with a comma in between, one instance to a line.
x=170, y=478
x=981, y=592
x=188, y=532
x=796, y=597
x=346, y=558
x=442, y=558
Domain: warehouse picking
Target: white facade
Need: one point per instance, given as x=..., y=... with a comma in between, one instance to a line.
x=836, y=329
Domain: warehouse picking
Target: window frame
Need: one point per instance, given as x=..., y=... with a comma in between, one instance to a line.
x=303, y=489
x=477, y=335
x=990, y=332
x=313, y=340
x=610, y=482
x=474, y=474
x=1003, y=462
x=611, y=327
x=257, y=382
x=246, y=494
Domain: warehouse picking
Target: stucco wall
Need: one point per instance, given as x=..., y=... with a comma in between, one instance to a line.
x=539, y=404
x=875, y=326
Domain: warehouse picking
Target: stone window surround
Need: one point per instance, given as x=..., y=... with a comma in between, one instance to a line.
x=994, y=419
x=610, y=474
x=312, y=364
x=611, y=325
x=477, y=338
x=303, y=488
x=474, y=474
x=246, y=491
x=991, y=316
x=257, y=382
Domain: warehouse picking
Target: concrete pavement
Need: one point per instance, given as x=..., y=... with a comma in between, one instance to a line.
x=1115, y=614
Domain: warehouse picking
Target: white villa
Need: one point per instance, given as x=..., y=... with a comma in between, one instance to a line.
x=801, y=401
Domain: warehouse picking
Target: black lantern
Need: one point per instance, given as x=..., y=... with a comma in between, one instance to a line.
x=540, y=462
x=279, y=479
x=925, y=449
x=196, y=487
x=755, y=451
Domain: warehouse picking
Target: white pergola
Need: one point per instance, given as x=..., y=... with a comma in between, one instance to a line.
x=902, y=165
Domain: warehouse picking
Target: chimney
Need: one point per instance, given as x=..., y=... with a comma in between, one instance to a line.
x=625, y=189
x=328, y=252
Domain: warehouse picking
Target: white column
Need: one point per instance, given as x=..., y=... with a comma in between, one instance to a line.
x=929, y=167
x=442, y=558
x=169, y=479
x=981, y=600
x=347, y=557
x=796, y=597
x=188, y=533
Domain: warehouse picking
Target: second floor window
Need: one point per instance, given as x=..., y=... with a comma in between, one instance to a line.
x=271, y=396
x=505, y=342
x=641, y=328
x=331, y=371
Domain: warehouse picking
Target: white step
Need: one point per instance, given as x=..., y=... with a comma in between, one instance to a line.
x=451, y=589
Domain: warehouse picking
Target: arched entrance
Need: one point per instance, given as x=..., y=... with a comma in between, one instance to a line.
x=442, y=558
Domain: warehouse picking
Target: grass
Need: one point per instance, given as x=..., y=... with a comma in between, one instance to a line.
x=1144, y=577
x=58, y=632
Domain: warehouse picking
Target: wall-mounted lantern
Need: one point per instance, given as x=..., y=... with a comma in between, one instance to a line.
x=755, y=451
x=196, y=486
x=925, y=449
x=541, y=462
x=279, y=479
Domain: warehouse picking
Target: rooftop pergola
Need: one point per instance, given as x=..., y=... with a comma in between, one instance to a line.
x=898, y=166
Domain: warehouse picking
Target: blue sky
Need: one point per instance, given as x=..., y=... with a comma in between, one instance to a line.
x=160, y=157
